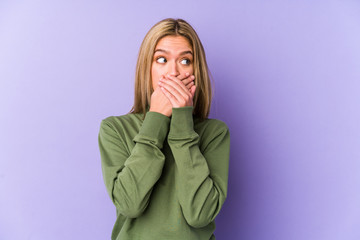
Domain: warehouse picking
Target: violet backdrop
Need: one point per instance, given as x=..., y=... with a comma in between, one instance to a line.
x=287, y=82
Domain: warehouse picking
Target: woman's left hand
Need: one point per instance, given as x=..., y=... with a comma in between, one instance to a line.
x=176, y=91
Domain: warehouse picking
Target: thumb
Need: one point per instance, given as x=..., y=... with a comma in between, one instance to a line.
x=192, y=90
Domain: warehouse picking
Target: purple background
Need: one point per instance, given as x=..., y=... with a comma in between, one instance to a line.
x=287, y=83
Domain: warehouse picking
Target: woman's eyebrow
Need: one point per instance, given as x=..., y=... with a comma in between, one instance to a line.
x=182, y=53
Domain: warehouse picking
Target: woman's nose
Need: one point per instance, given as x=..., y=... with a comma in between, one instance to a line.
x=173, y=69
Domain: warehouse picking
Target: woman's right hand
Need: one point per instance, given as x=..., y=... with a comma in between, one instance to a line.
x=160, y=103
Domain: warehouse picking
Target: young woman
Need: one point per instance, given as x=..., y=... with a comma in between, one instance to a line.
x=165, y=164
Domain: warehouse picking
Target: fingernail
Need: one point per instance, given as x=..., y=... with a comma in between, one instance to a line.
x=187, y=74
x=192, y=77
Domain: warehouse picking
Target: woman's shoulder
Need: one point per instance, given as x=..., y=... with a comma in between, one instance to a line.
x=210, y=125
x=213, y=122
x=125, y=126
x=123, y=121
x=210, y=129
x=129, y=117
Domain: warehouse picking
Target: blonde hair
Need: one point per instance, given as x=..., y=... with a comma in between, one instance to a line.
x=143, y=81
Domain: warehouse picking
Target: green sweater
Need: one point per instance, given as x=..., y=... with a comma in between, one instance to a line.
x=166, y=176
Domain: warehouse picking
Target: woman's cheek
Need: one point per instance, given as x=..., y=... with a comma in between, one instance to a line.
x=155, y=76
x=190, y=70
x=187, y=69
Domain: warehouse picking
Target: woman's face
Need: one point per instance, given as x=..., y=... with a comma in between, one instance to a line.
x=173, y=55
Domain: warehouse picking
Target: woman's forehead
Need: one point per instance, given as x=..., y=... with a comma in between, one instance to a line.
x=173, y=44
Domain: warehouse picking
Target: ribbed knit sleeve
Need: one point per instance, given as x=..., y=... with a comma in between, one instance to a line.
x=202, y=177
x=130, y=177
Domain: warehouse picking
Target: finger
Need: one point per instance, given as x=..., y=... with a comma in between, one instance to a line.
x=178, y=85
x=181, y=91
x=181, y=76
x=188, y=79
x=192, y=90
x=175, y=92
x=169, y=96
x=188, y=86
x=185, y=78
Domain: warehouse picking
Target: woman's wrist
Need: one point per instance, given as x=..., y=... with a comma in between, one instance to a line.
x=161, y=111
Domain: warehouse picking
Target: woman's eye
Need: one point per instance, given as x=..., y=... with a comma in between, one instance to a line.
x=161, y=60
x=185, y=61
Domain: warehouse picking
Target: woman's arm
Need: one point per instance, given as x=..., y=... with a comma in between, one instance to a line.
x=130, y=177
x=202, y=176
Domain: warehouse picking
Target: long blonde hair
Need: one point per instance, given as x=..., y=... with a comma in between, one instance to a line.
x=143, y=81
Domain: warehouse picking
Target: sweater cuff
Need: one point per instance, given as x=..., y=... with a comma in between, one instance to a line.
x=154, y=129
x=182, y=121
